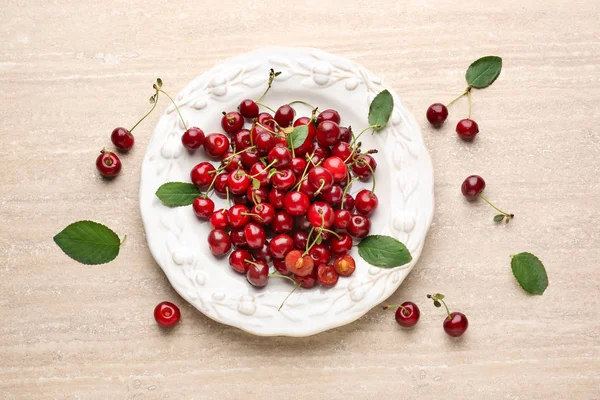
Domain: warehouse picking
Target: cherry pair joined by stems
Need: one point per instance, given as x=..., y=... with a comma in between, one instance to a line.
x=466, y=128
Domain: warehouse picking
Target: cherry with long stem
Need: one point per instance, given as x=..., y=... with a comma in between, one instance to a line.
x=158, y=87
x=405, y=310
x=497, y=218
x=154, y=101
x=438, y=300
x=272, y=75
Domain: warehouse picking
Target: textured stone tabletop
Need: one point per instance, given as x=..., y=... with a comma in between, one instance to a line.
x=71, y=71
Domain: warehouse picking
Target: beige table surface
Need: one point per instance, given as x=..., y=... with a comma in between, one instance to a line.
x=72, y=71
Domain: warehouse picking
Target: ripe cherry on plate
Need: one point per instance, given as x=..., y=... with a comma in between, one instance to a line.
x=193, y=138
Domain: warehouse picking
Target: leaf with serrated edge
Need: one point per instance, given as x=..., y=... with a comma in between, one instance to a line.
x=483, y=72
x=380, y=109
x=530, y=273
x=299, y=135
x=383, y=251
x=89, y=242
x=177, y=194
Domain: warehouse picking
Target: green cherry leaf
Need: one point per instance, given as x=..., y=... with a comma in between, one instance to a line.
x=439, y=296
x=381, y=109
x=483, y=72
x=255, y=183
x=530, y=273
x=299, y=135
x=383, y=251
x=159, y=82
x=89, y=242
x=277, y=73
x=437, y=303
x=152, y=99
x=499, y=217
x=177, y=194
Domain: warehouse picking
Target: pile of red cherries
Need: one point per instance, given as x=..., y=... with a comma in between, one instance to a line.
x=289, y=206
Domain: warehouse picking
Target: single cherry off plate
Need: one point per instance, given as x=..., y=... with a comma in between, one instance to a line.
x=178, y=239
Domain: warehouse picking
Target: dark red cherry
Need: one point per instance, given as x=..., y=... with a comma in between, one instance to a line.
x=231, y=161
x=456, y=324
x=342, y=219
x=285, y=116
x=255, y=235
x=300, y=238
x=342, y=245
x=167, y=314
x=319, y=152
x=280, y=245
x=341, y=150
x=219, y=242
x=122, y=139
x=364, y=166
x=345, y=134
x=238, y=182
x=308, y=281
x=296, y=203
x=320, y=214
x=276, y=197
x=472, y=187
x=333, y=196
x=259, y=172
x=264, y=143
x=320, y=179
x=108, y=164
x=280, y=157
x=359, y=226
x=336, y=166
x=238, y=238
x=283, y=179
x=232, y=122
x=258, y=273
x=248, y=108
x=328, y=133
x=349, y=202
x=312, y=131
x=326, y=275
x=219, y=220
x=241, y=140
x=238, y=216
x=320, y=254
x=220, y=184
x=437, y=114
x=237, y=260
x=262, y=253
x=328, y=115
x=202, y=174
x=302, y=223
x=216, y=144
x=264, y=213
x=203, y=207
x=249, y=158
x=408, y=315
x=243, y=200
x=366, y=202
x=266, y=120
x=260, y=195
x=279, y=264
x=193, y=138
x=467, y=129
x=282, y=223
x=298, y=165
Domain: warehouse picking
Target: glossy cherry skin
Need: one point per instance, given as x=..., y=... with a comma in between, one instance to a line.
x=319, y=152
x=342, y=245
x=259, y=195
x=167, y=314
x=249, y=158
x=320, y=178
x=202, y=174
x=260, y=172
x=320, y=214
x=456, y=324
x=241, y=140
x=238, y=239
x=307, y=189
x=266, y=120
x=308, y=281
x=122, y=139
x=328, y=133
x=437, y=114
x=231, y=161
x=280, y=156
x=255, y=235
x=219, y=220
x=262, y=253
x=232, y=122
x=302, y=223
x=326, y=275
x=276, y=197
x=237, y=260
x=203, y=207
x=248, y=108
x=312, y=131
x=284, y=179
x=238, y=182
x=332, y=196
x=344, y=265
x=264, y=213
x=341, y=150
x=264, y=143
x=359, y=226
x=279, y=264
x=296, y=203
x=216, y=144
x=220, y=184
x=258, y=274
x=328, y=115
x=300, y=238
x=298, y=264
x=282, y=223
x=342, y=219
x=361, y=167
x=285, y=116
x=280, y=245
x=298, y=165
x=467, y=129
x=349, y=202
x=108, y=164
x=472, y=187
x=219, y=242
x=193, y=138
x=345, y=134
x=243, y=200
x=366, y=202
x=238, y=216
x=336, y=166
x=320, y=254
x=409, y=316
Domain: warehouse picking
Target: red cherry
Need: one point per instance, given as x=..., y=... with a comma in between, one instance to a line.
x=193, y=138
x=249, y=158
x=456, y=324
x=216, y=144
x=362, y=164
x=285, y=116
x=202, y=174
x=241, y=140
x=283, y=179
x=349, y=202
x=344, y=265
x=282, y=223
x=238, y=182
x=167, y=314
x=320, y=214
x=359, y=226
x=332, y=196
x=108, y=164
x=312, y=131
x=280, y=156
x=258, y=273
x=238, y=238
x=255, y=235
x=328, y=115
x=218, y=219
x=296, y=203
x=366, y=202
x=264, y=143
x=232, y=122
x=345, y=135
x=328, y=133
x=307, y=189
x=307, y=281
x=248, y=108
x=276, y=197
x=220, y=184
x=326, y=275
x=319, y=153
x=320, y=254
x=300, y=239
x=203, y=207
x=472, y=187
x=342, y=245
x=231, y=161
x=266, y=119
x=467, y=129
x=298, y=165
x=264, y=213
x=320, y=178
x=298, y=264
x=336, y=166
x=408, y=315
x=238, y=216
x=262, y=253
x=302, y=223
x=280, y=245
x=243, y=200
x=219, y=242
x=437, y=114
x=342, y=150
x=259, y=195
x=342, y=219
x=237, y=260
x=279, y=264
x=122, y=138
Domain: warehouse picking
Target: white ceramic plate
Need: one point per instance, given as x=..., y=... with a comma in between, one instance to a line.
x=177, y=239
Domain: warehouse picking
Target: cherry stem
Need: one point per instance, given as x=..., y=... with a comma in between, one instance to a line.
x=302, y=102
x=405, y=310
x=265, y=106
x=447, y=310
x=297, y=186
x=252, y=262
x=211, y=185
x=252, y=215
x=346, y=190
x=266, y=168
x=469, y=97
x=316, y=238
x=265, y=128
x=148, y=113
x=373, y=175
x=363, y=131
x=330, y=231
x=312, y=229
x=320, y=187
x=227, y=198
x=278, y=275
x=289, y=294
x=496, y=208
x=108, y=161
x=174, y=104
x=123, y=240
x=467, y=90
x=271, y=78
